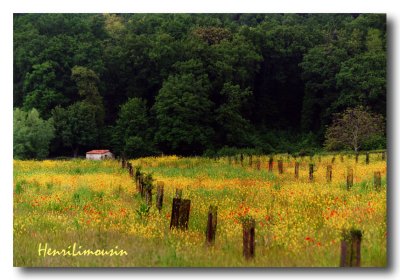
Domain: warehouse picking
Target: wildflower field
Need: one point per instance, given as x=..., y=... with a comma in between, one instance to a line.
x=299, y=222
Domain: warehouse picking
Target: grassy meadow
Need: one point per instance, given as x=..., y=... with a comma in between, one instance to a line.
x=298, y=223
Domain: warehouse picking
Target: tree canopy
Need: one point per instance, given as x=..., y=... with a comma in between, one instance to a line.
x=32, y=135
x=188, y=84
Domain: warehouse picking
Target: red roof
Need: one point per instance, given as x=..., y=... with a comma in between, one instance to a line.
x=98, y=152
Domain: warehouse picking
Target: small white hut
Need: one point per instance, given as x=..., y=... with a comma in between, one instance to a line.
x=99, y=154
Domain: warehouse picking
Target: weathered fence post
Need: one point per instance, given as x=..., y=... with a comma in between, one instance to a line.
x=350, y=249
x=329, y=173
x=280, y=166
x=383, y=156
x=241, y=160
x=311, y=172
x=356, y=157
x=211, y=225
x=296, y=169
x=377, y=180
x=367, y=158
x=130, y=169
x=258, y=164
x=251, y=160
x=147, y=187
x=184, y=210
x=176, y=204
x=141, y=185
x=249, y=238
x=160, y=196
x=149, y=196
x=349, y=178
x=270, y=164
x=123, y=162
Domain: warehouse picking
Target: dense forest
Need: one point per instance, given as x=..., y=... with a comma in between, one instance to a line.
x=194, y=84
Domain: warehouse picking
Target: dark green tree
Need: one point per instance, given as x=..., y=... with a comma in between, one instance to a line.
x=32, y=135
x=131, y=133
x=183, y=112
x=40, y=88
x=319, y=68
x=233, y=129
x=87, y=83
x=75, y=126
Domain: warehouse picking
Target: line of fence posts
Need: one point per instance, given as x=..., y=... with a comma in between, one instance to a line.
x=211, y=225
x=249, y=238
x=350, y=255
x=350, y=248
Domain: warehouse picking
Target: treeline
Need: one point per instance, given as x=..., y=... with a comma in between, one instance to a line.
x=189, y=84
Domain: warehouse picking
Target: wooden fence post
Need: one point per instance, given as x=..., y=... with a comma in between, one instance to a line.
x=349, y=178
x=249, y=238
x=160, y=196
x=311, y=172
x=149, y=196
x=333, y=159
x=147, y=187
x=367, y=158
x=258, y=164
x=211, y=225
x=377, y=180
x=329, y=173
x=241, y=160
x=270, y=164
x=357, y=157
x=350, y=255
x=251, y=160
x=184, y=210
x=296, y=169
x=383, y=156
x=141, y=185
x=123, y=162
x=176, y=204
x=280, y=166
